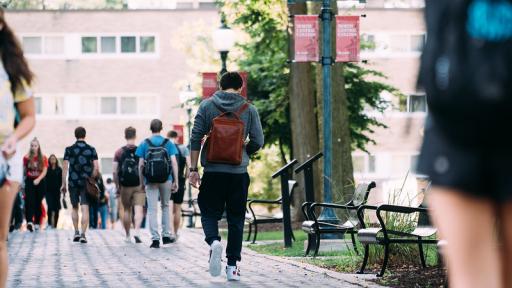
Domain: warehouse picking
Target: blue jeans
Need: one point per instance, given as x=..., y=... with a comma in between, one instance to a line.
x=103, y=210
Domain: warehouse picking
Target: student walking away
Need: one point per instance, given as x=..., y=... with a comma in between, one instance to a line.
x=225, y=181
x=111, y=191
x=127, y=180
x=53, y=184
x=103, y=201
x=17, y=119
x=157, y=158
x=466, y=71
x=183, y=158
x=81, y=160
x=35, y=165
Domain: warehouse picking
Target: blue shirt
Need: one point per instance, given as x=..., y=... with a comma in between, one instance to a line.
x=156, y=140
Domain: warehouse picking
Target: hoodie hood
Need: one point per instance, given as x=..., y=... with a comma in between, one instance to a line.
x=228, y=101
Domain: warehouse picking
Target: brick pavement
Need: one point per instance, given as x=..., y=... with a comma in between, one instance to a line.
x=51, y=259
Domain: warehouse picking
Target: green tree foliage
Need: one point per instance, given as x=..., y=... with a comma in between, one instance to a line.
x=266, y=22
x=265, y=59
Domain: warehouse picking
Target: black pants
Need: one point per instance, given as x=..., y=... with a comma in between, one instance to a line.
x=17, y=212
x=53, y=218
x=34, y=195
x=219, y=192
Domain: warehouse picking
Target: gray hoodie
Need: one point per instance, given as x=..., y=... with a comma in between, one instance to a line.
x=202, y=124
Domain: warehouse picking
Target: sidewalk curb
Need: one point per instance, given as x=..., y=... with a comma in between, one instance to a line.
x=354, y=279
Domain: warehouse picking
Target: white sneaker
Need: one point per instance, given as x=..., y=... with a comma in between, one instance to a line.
x=215, y=258
x=127, y=240
x=232, y=273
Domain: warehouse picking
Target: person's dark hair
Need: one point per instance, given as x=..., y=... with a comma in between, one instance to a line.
x=13, y=60
x=156, y=126
x=130, y=133
x=80, y=132
x=172, y=134
x=109, y=180
x=231, y=80
x=56, y=161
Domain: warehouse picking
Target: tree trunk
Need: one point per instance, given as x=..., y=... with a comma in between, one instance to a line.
x=302, y=115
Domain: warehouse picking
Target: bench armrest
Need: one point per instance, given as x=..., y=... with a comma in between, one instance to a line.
x=395, y=209
x=305, y=210
x=360, y=213
x=261, y=201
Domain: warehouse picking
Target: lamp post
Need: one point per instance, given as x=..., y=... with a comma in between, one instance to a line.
x=223, y=41
x=185, y=96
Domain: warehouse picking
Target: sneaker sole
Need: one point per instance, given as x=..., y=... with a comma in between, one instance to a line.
x=215, y=260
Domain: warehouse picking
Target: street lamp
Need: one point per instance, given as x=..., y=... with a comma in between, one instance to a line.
x=223, y=41
x=185, y=97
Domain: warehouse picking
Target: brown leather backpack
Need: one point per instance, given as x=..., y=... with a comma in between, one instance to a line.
x=226, y=138
x=92, y=189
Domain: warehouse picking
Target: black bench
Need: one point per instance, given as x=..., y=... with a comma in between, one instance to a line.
x=421, y=234
x=315, y=227
x=287, y=188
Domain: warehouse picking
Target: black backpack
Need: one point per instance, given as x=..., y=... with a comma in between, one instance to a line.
x=157, y=164
x=182, y=163
x=466, y=69
x=129, y=168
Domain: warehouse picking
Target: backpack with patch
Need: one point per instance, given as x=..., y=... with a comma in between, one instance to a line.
x=157, y=164
x=129, y=168
x=466, y=69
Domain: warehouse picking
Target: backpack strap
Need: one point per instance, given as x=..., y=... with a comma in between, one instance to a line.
x=164, y=142
x=149, y=142
x=242, y=109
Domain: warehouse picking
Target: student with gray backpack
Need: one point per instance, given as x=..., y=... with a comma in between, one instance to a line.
x=157, y=159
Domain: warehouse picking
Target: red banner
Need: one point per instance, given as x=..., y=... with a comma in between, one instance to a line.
x=347, y=39
x=181, y=133
x=209, y=84
x=306, y=38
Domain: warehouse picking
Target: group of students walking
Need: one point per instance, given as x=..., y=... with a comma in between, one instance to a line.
x=145, y=175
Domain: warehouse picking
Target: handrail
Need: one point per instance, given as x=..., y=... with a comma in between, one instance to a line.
x=284, y=168
x=308, y=162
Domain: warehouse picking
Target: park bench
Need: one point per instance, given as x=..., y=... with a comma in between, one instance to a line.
x=314, y=227
x=421, y=234
x=287, y=188
x=190, y=208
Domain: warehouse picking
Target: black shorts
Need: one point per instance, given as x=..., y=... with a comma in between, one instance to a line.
x=177, y=197
x=477, y=171
x=78, y=195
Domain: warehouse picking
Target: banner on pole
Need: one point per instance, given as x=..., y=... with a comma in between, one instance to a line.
x=209, y=84
x=306, y=38
x=347, y=39
x=180, y=129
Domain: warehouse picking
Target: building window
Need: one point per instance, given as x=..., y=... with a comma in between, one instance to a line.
x=128, y=44
x=108, y=105
x=54, y=45
x=39, y=105
x=368, y=42
x=89, y=45
x=417, y=103
x=106, y=166
x=32, y=45
x=364, y=163
x=128, y=105
x=418, y=42
x=89, y=106
x=371, y=164
x=147, y=44
x=108, y=44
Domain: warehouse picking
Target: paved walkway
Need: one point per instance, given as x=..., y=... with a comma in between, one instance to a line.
x=51, y=259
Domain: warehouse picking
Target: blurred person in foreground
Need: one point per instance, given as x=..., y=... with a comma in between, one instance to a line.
x=467, y=74
x=17, y=119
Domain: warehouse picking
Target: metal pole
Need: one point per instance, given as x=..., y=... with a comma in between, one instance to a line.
x=327, y=61
x=189, y=128
x=223, y=58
